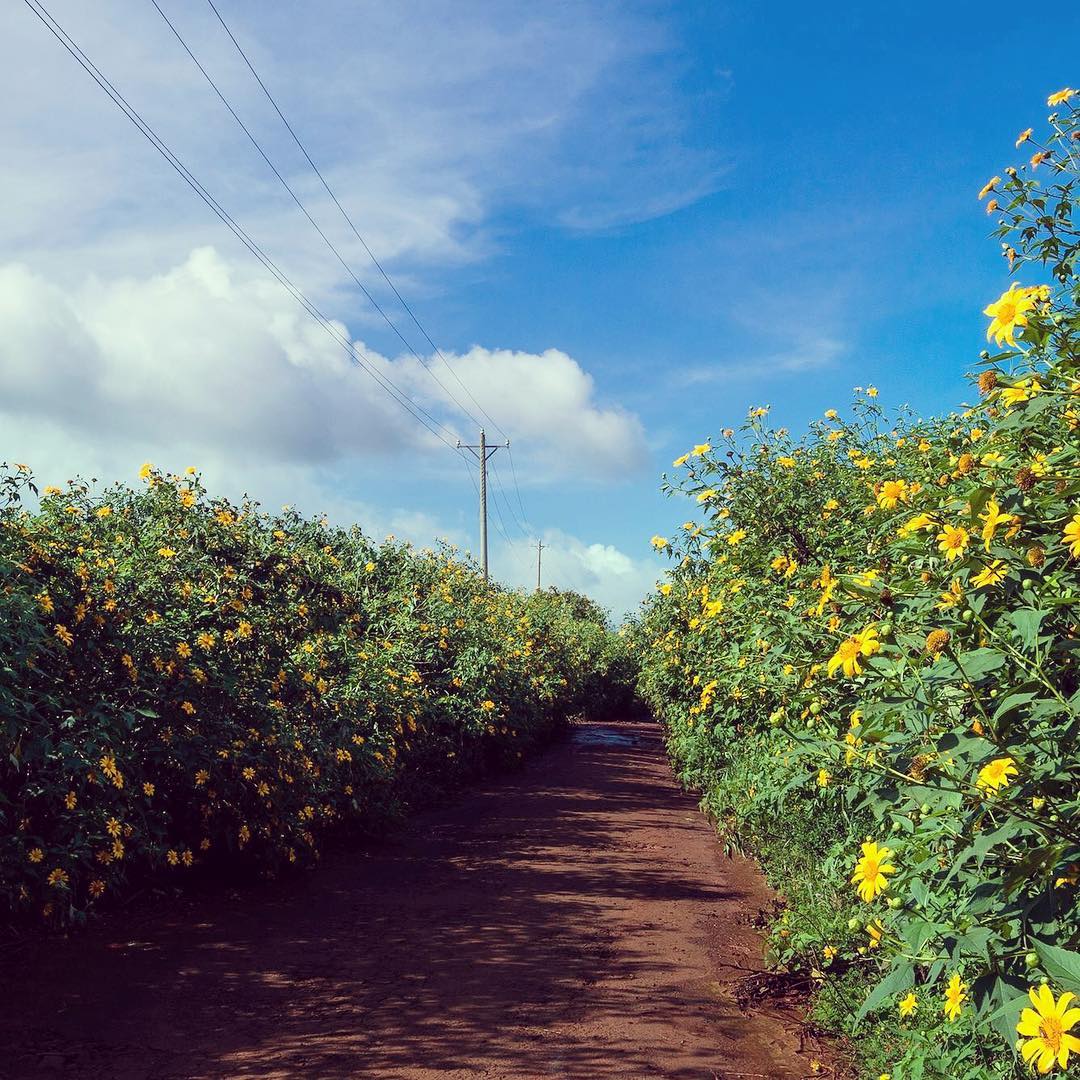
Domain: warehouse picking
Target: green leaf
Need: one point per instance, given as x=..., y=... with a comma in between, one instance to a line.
x=980, y=662
x=1062, y=965
x=901, y=977
x=1027, y=622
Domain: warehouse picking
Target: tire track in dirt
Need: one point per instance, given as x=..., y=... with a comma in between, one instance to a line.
x=577, y=919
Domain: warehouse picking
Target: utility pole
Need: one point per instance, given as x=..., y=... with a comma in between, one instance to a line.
x=482, y=453
x=539, y=549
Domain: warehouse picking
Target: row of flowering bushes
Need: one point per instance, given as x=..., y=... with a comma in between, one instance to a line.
x=866, y=654
x=185, y=682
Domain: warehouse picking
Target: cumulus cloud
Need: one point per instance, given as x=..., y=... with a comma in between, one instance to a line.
x=610, y=576
x=206, y=360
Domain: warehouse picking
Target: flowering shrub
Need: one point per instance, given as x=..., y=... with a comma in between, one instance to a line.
x=187, y=682
x=866, y=655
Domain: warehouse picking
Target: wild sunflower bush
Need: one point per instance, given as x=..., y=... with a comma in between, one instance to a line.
x=866, y=654
x=185, y=682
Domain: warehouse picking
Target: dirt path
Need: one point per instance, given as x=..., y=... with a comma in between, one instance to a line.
x=574, y=920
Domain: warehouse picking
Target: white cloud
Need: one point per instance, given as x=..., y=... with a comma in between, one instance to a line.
x=802, y=353
x=429, y=121
x=202, y=360
x=604, y=572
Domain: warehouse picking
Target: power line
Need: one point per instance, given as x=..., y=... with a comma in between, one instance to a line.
x=356, y=232
x=349, y=221
x=517, y=490
x=356, y=355
x=501, y=490
x=304, y=210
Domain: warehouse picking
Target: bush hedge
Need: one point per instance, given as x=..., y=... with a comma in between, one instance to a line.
x=186, y=682
x=866, y=656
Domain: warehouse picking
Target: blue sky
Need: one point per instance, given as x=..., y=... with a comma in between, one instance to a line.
x=624, y=225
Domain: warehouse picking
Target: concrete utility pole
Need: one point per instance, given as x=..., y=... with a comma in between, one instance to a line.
x=539, y=549
x=482, y=453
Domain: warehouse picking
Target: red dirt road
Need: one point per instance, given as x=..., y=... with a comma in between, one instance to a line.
x=574, y=920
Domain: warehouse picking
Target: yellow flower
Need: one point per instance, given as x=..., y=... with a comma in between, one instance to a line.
x=951, y=598
x=876, y=932
x=989, y=186
x=891, y=493
x=57, y=878
x=706, y=495
x=1024, y=390
x=915, y=524
x=63, y=634
x=1044, y=1030
x=701, y=449
x=659, y=542
x=1024, y=136
x=1007, y=313
x=487, y=706
x=871, y=391
x=1060, y=98
x=823, y=777
x=680, y=461
x=1070, y=536
x=70, y=799
x=103, y=511
x=35, y=855
x=829, y=953
x=871, y=869
x=953, y=541
x=369, y=567
x=148, y=789
x=146, y=470
x=166, y=553
x=909, y=1004
x=991, y=518
x=851, y=651
x=993, y=574
x=955, y=996
x=996, y=774
x=736, y=537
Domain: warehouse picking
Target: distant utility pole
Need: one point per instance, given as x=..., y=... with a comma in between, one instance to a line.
x=482, y=453
x=539, y=550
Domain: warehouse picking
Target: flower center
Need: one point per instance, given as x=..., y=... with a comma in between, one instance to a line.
x=870, y=869
x=1006, y=312
x=1050, y=1030
x=850, y=649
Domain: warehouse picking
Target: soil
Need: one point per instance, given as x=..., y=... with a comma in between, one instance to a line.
x=576, y=919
